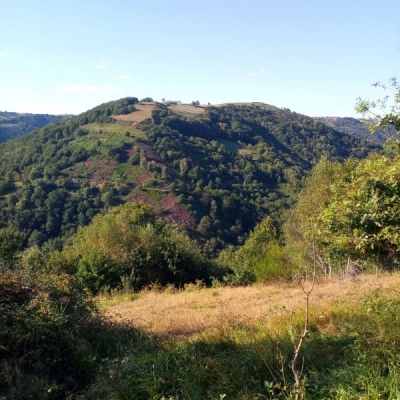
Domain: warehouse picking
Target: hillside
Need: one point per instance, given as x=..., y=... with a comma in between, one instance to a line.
x=214, y=171
x=354, y=127
x=14, y=124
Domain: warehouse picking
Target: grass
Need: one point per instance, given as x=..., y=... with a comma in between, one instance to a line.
x=97, y=131
x=187, y=110
x=235, y=343
x=213, y=343
x=188, y=315
x=143, y=111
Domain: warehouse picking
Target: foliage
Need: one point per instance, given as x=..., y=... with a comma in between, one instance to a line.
x=10, y=246
x=259, y=259
x=363, y=213
x=273, y=264
x=215, y=175
x=304, y=219
x=352, y=208
x=388, y=116
x=130, y=241
x=44, y=352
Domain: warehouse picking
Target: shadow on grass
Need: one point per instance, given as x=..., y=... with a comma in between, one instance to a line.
x=204, y=370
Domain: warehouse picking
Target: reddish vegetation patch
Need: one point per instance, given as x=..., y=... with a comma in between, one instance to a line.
x=142, y=177
x=149, y=152
x=176, y=213
x=88, y=163
x=102, y=173
x=137, y=198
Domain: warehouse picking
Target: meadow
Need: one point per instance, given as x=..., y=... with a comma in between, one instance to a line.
x=238, y=342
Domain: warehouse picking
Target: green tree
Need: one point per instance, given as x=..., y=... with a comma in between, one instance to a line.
x=304, y=221
x=130, y=241
x=387, y=115
x=260, y=258
x=10, y=246
x=363, y=214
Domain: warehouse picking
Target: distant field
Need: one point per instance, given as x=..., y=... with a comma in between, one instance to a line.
x=120, y=128
x=231, y=145
x=254, y=103
x=187, y=110
x=142, y=112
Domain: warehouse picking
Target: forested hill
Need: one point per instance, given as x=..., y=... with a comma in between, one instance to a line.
x=14, y=124
x=214, y=171
x=354, y=127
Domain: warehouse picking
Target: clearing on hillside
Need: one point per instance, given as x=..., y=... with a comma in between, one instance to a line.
x=187, y=110
x=143, y=111
x=267, y=107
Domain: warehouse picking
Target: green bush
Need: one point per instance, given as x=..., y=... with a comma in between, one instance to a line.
x=44, y=353
x=130, y=241
x=272, y=265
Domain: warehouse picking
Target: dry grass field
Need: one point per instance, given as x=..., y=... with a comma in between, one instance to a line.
x=201, y=312
x=142, y=112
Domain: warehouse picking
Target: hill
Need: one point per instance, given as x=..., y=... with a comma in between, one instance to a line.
x=354, y=127
x=214, y=171
x=14, y=124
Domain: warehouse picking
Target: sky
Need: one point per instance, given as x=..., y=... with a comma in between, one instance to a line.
x=313, y=57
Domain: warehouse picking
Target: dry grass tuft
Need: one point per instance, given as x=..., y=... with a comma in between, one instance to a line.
x=218, y=311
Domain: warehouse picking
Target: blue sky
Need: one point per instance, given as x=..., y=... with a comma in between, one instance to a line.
x=314, y=57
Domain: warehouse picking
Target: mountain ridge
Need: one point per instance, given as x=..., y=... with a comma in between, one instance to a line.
x=215, y=173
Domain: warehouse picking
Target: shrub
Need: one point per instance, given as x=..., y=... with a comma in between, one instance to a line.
x=272, y=265
x=44, y=353
x=130, y=241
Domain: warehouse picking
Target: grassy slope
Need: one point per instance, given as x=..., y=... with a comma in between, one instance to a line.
x=197, y=313
x=236, y=343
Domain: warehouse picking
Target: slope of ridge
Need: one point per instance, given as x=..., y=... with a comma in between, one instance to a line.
x=14, y=124
x=354, y=127
x=215, y=173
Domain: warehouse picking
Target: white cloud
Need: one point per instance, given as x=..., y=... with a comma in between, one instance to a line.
x=126, y=77
x=2, y=55
x=102, y=64
x=89, y=89
x=260, y=72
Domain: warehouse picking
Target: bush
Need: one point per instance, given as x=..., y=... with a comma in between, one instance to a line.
x=44, y=353
x=130, y=241
x=272, y=265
